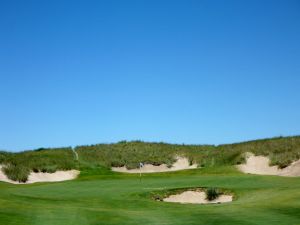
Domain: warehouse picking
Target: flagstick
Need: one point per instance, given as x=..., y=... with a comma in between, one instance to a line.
x=140, y=174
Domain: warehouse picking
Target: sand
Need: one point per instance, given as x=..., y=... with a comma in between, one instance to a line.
x=53, y=177
x=44, y=177
x=196, y=197
x=182, y=163
x=261, y=165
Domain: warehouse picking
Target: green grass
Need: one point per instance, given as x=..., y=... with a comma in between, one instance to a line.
x=100, y=196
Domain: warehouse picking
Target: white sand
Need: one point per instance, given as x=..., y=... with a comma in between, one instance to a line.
x=44, y=177
x=52, y=177
x=261, y=165
x=182, y=163
x=196, y=197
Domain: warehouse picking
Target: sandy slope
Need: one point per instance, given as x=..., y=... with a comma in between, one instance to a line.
x=182, y=163
x=196, y=197
x=44, y=177
x=260, y=165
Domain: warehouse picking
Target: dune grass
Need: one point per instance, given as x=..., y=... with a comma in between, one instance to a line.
x=282, y=151
x=17, y=166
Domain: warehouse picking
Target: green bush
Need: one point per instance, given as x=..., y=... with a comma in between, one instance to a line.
x=16, y=172
x=212, y=194
x=49, y=169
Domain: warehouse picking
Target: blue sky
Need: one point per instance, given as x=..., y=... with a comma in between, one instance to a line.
x=206, y=72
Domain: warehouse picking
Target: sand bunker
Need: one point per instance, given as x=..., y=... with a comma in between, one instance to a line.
x=261, y=165
x=182, y=163
x=43, y=177
x=196, y=197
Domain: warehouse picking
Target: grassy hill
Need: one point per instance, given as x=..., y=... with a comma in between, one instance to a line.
x=281, y=150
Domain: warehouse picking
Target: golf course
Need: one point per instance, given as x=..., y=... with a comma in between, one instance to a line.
x=100, y=196
x=150, y=112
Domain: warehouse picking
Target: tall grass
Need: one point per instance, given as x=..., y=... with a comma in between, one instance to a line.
x=282, y=151
x=129, y=154
x=16, y=172
x=17, y=166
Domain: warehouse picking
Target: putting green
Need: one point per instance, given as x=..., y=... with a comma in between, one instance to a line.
x=99, y=196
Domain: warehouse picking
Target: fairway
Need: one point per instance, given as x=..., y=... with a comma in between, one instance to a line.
x=100, y=196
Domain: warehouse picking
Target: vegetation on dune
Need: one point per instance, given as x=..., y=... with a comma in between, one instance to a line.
x=129, y=154
x=17, y=173
x=4, y=155
x=282, y=151
x=17, y=166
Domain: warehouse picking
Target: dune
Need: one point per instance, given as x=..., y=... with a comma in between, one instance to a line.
x=182, y=163
x=43, y=177
x=261, y=165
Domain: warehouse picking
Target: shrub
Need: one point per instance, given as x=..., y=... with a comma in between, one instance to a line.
x=283, y=164
x=35, y=170
x=49, y=169
x=212, y=194
x=16, y=172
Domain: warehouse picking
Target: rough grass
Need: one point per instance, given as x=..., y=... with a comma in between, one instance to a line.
x=17, y=173
x=17, y=166
x=282, y=151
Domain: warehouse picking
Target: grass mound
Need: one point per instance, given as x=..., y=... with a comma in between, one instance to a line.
x=17, y=166
x=282, y=151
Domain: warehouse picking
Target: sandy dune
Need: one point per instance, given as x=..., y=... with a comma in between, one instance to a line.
x=44, y=177
x=196, y=197
x=260, y=165
x=182, y=163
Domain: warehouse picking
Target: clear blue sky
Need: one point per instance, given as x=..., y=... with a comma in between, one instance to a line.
x=85, y=72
